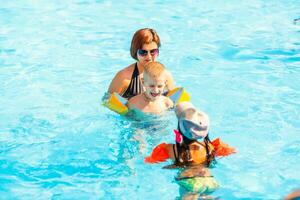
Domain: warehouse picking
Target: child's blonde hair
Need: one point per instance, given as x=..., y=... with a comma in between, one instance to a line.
x=154, y=69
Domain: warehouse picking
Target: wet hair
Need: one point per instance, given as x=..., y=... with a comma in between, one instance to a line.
x=141, y=37
x=184, y=155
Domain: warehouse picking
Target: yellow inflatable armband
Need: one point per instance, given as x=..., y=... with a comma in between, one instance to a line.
x=178, y=95
x=116, y=103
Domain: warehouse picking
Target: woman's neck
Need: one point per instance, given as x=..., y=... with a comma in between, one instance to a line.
x=140, y=67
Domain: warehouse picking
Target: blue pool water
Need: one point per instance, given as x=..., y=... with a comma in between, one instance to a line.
x=240, y=61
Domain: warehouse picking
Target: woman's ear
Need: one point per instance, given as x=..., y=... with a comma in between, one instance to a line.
x=143, y=81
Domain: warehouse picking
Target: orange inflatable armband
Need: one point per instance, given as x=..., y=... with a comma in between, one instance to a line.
x=221, y=148
x=159, y=154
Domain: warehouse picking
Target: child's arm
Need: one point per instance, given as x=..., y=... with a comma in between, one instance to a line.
x=132, y=102
x=129, y=103
x=135, y=102
x=159, y=154
x=221, y=148
x=169, y=103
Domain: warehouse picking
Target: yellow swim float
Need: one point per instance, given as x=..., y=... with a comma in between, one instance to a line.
x=117, y=103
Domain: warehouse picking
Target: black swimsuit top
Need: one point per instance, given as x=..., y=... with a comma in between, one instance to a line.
x=135, y=86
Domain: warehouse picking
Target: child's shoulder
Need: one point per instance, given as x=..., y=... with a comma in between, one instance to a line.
x=134, y=99
x=165, y=98
x=168, y=102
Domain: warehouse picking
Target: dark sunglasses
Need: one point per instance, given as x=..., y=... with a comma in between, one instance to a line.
x=153, y=52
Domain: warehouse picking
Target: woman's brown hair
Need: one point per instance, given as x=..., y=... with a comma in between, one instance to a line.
x=141, y=37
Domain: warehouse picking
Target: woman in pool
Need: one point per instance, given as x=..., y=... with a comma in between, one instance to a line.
x=144, y=49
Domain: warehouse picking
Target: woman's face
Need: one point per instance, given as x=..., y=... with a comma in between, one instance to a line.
x=148, y=53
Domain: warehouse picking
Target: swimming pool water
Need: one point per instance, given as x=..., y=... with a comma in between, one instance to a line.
x=238, y=60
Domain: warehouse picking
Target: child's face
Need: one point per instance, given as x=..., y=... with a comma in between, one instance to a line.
x=154, y=86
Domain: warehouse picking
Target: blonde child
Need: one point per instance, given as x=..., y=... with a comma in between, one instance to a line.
x=152, y=99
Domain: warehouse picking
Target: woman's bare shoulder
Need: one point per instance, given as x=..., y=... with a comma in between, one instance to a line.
x=170, y=80
x=121, y=80
x=126, y=72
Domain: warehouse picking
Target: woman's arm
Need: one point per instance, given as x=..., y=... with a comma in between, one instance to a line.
x=118, y=84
